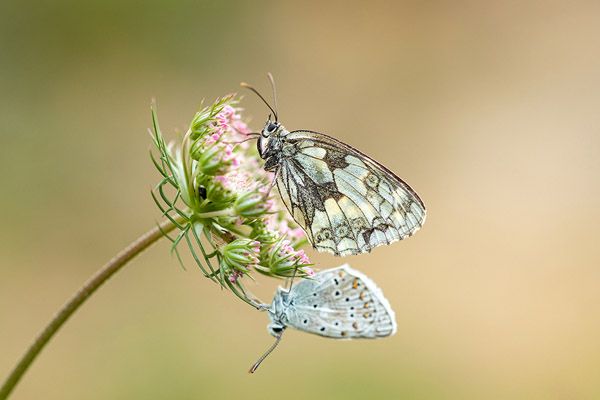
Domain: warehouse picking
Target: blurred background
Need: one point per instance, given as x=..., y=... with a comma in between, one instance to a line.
x=489, y=110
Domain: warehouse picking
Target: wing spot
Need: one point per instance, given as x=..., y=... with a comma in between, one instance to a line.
x=336, y=281
x=305, y=322
x=342, y=231
x=362, y=295
x=344, y=333
x=359, y=223
x=355, y=284
x=366, y=305
x=323, y=235
x=372, y=180
x=366, y=315
x=322, y=329
x=347, y=298
x=315, y=306
x=340, y=274
x=355, y=325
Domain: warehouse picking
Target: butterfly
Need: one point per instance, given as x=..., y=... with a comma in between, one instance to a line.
x=346, y=202
x=338, y=303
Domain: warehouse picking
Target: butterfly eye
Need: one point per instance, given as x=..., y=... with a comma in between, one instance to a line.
x=272, y=126
x=277, y=329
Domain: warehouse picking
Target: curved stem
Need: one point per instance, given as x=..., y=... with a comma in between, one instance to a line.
x=135, y=248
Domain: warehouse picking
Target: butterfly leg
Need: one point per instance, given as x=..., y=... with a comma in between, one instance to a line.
x=293, y=276
x=273, y=182
x=242, y=141
x=252, y=299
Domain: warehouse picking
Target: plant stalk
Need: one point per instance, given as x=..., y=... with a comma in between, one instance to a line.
x=101, y=276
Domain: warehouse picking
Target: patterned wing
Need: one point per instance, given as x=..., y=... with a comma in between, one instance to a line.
x=341, y=303
x=346, y=202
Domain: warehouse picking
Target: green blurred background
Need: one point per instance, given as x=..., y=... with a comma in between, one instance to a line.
x=490, y=110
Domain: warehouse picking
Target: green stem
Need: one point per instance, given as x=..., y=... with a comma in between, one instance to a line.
x=228, y=212
x=126, y=255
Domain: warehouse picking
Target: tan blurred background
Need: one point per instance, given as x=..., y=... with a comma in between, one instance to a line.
x=488, y=109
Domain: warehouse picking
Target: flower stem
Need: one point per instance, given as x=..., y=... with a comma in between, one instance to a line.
x=228, y=212
x=135, y=248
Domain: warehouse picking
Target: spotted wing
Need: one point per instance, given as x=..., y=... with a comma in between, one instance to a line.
x=341, y=303
x=346, y=202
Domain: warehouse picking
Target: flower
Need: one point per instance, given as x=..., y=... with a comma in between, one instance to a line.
x=233, y=277
x=252, y=204
x=285, y=260
x=239, y=256
x=225, y=216
x=302, y=258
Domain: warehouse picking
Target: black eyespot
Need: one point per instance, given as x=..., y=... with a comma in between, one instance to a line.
x=272, y=126
x=322, y=329
x=277, y=329
x=305, y=321
x=337, y=293
x=347, y=298
x=315, y=306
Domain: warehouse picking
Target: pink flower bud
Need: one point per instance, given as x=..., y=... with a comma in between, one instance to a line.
x=301, y=257
x=268, y=204
x=228, y=110
x=223, y=180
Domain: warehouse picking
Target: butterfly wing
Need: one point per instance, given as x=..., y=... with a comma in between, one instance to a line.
x=340, y=303
x=346, y=202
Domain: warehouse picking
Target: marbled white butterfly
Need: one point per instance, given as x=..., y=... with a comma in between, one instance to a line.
x=346, y=202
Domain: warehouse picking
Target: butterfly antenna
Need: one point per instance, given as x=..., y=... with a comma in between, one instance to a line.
x=256, y=364
x=241, y=141
x=274, y=93
x=245, y=85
